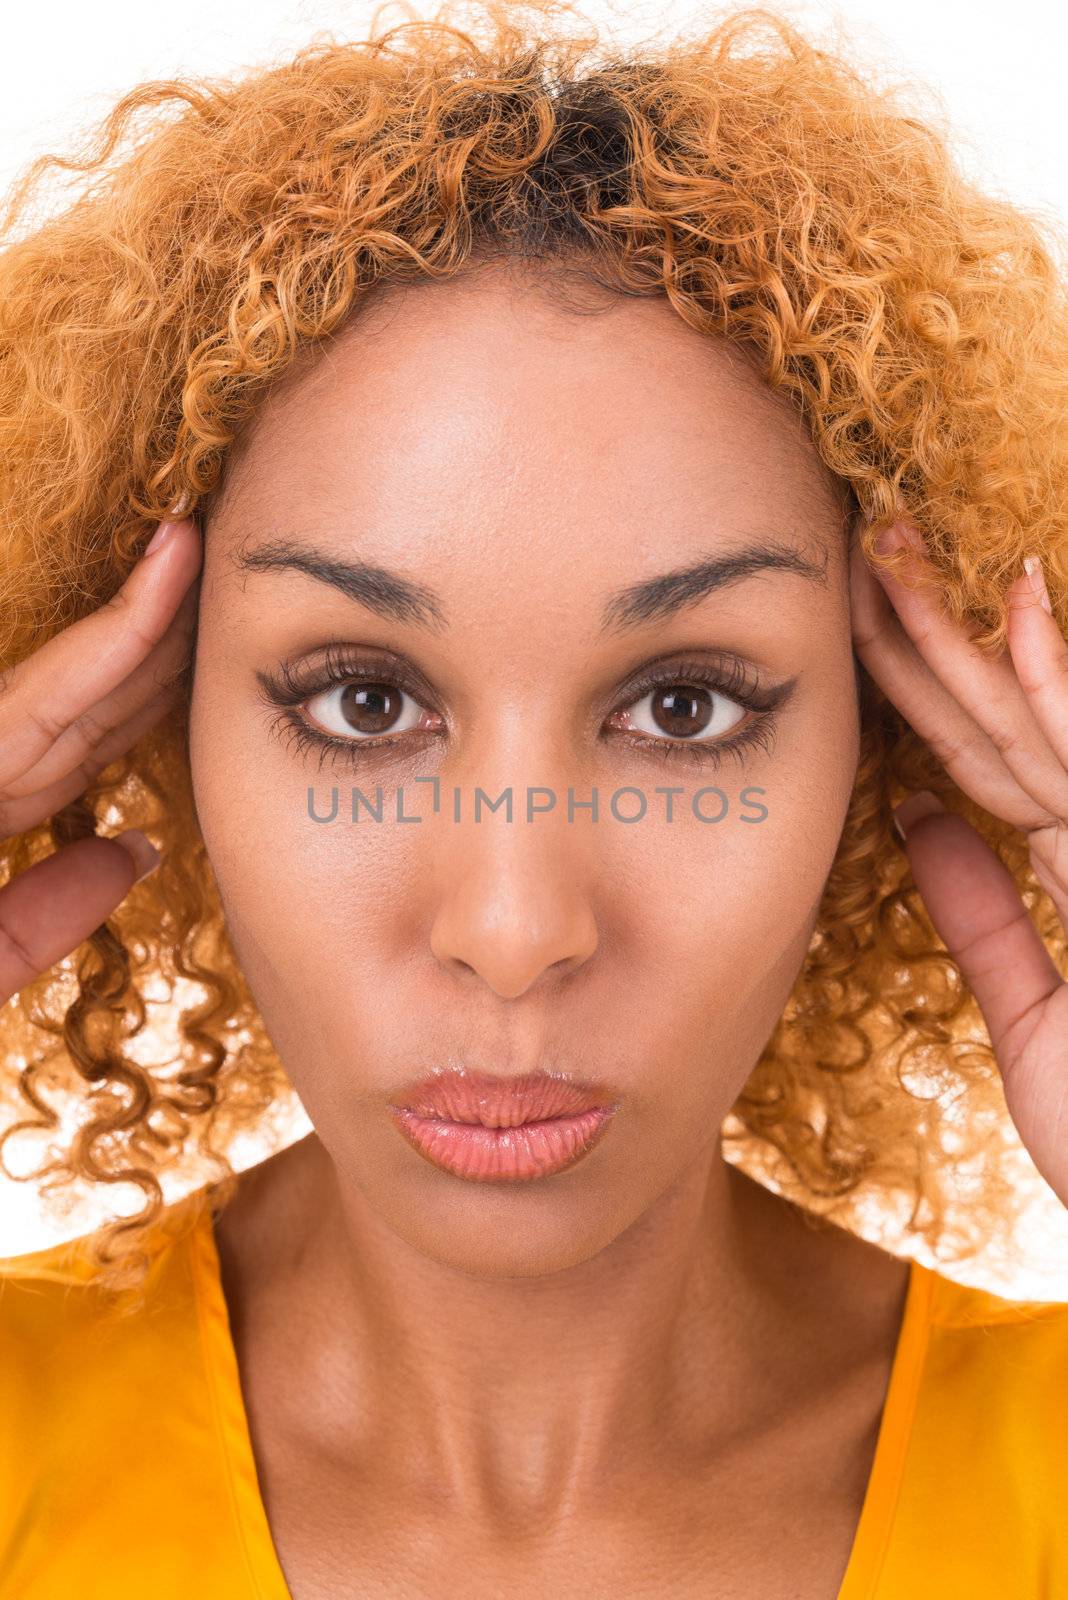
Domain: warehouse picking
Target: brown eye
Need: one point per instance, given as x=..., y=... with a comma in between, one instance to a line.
x=363, y=709
x=370, y=707
x=683, y=711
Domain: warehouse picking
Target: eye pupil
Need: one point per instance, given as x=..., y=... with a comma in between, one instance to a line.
x=681, y=710
x=370, y=707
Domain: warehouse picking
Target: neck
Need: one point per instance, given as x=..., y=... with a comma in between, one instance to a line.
x=528, y=1398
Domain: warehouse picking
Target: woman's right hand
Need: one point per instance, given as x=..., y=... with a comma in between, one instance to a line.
x=66, y=712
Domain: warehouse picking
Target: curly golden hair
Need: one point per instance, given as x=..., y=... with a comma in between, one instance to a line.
x=777, y=197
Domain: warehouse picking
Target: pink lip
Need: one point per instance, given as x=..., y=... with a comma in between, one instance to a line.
x=505, y=1129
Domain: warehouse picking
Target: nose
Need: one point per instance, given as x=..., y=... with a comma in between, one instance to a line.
x=514, y=907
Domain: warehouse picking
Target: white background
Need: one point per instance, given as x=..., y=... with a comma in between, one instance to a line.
x=997, y=71
x=993, y=74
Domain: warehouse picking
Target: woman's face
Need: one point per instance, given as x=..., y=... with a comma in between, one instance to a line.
x=575, y=554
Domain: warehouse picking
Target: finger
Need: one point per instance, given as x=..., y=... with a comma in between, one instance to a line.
x=979, y=915
x=1048, y=851
x=18, y=815
x=49, y=909
x=1040, y=656
x=149, y=684
x=968, y=754
x=43, y=695
x=987, y=688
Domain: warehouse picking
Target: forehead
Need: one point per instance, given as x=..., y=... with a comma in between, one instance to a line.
x=484, y=400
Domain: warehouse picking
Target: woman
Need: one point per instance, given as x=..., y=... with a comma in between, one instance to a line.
x=599, y=492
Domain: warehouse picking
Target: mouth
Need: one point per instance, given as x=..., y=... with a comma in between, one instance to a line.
x=503, y=1129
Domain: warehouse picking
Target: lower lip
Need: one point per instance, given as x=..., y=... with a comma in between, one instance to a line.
x=529, y=1150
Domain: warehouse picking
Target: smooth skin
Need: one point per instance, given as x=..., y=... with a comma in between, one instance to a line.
x=646, y=1375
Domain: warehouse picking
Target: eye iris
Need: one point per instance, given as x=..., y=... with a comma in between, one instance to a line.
x=681, y=710
x=370, y=707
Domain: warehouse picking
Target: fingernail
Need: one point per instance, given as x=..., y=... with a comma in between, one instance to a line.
x=921, y=804
x=146, y=858
x=1033, y=568
x=160, y=537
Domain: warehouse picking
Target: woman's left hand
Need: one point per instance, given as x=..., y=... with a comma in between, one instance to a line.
x=999, y=725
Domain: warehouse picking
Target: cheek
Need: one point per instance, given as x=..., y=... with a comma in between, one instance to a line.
x=741, y=940
x=722, y=913
x=312, y=898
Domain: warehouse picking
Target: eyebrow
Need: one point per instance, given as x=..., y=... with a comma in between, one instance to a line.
x=656, y=598
x=401, y=599
x=378, y=588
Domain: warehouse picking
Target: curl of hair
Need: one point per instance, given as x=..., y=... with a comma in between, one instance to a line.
x=779, y=198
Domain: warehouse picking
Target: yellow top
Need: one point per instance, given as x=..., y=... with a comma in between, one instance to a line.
x=126, y=1466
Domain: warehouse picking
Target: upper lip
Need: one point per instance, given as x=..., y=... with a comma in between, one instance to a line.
x=465, y=1095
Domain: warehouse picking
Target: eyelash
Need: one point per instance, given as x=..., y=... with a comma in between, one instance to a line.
x=339, y=666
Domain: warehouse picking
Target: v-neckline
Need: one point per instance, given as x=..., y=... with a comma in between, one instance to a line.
x=874, y=1526
x=235, y=1438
